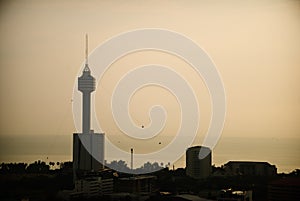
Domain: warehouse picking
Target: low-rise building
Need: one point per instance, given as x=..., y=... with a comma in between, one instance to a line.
x=89, y=187
x=250, y=168
x=93, y=187
x=144, y=184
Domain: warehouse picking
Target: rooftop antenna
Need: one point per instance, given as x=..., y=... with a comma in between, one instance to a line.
x=86, y=66
x=131, y=161
x=86, y=48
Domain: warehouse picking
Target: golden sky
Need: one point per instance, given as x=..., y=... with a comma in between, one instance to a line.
x=254, y=44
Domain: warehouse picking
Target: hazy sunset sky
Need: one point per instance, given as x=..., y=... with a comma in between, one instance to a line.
x=254, y=44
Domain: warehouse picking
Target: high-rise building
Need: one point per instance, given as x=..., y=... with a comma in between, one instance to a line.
x=88, y=147
x=195, y=167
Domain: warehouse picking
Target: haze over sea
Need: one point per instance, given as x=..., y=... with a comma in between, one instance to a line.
x=58, y=148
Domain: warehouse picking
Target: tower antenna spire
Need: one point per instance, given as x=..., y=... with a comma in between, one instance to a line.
x=86, y=48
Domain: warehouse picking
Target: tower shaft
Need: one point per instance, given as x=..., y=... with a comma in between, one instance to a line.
x=86, y=84
x=86, y=111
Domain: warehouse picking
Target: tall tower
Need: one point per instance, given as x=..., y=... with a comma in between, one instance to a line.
x=86, y=84
x=88, y=147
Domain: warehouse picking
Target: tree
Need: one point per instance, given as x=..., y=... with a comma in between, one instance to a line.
x=66, y=167
x=119, y=165
x=38, y=167
x=51, y=164
x=13, y=168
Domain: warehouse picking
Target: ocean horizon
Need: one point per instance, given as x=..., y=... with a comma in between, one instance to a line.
x=282, y=152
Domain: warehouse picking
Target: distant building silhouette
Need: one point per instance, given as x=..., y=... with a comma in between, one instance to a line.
x=195, y=167
x=88, y=147
x=250, y=168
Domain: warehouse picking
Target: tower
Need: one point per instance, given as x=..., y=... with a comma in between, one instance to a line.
x=86, y=84
x=88, y=147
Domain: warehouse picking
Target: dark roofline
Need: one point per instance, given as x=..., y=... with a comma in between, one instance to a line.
x=194, y=147
x=249, y=162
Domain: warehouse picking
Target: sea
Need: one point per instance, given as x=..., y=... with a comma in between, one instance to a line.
x=282, y=152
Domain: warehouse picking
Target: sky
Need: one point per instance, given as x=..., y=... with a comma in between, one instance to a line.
x=255, y=46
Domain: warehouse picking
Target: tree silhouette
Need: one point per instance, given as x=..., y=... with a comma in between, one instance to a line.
x=66, y=167
x=119, y=165
x=13, y=167
x=38, y=167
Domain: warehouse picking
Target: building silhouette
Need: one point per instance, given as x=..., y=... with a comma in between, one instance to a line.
x=250, y=168
x=195, y=167
x=88, y=147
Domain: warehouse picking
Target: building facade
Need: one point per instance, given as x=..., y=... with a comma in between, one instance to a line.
x=141, y=185
x=92, y=187
x=88, y=153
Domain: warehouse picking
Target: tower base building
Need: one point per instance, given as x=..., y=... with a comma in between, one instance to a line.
x=88, y=153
